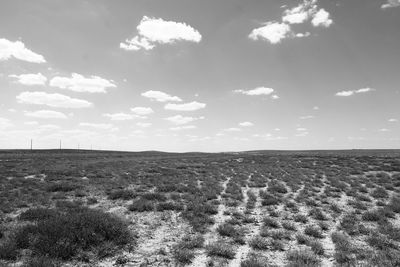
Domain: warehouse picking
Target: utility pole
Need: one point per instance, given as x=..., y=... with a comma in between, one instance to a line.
x=60, y=144
x=31, y=144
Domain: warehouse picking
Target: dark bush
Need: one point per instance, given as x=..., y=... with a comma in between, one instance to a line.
x=183, y=255
x=220, y=249
x=62, y=236
x=124, y=194
x=169, y=206
x=302, y=258
x=36, y=214
x=313, y=230
x=260, y=243
x=141, y=205
x=62, y=187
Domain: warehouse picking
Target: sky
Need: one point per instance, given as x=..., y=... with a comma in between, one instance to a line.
x=200, y=75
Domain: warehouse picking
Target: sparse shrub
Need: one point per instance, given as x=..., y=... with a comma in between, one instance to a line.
x=349, y=224
x=318, y=214
x=277, y=245
x=324, y=226
x=260, y=243
x=289, y=226
x=183, y=255
x=141, y=205
x=371, y=216
x=270, y=222
x=302, y=257
x=71, y=231
x=379, y=192
x=62, y=187
x=91, y=201
x=316, y=247
x=124, y=194
x=380, y=242
x=36, y=214
x=226, y=229
x=191, y=242
x=300, y=218
x=220, y=249
x=302, y=239
x=41, y=261
x=394, y=204
x=161, y=206
x=254, y=261
x=277, y=187
x=313, y=230
x=154, y=197
x=8, y=250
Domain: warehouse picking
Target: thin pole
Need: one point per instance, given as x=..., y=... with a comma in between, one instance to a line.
x=31, y=144
x=60, y=144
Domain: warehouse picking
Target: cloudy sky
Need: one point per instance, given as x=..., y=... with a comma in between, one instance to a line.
x=200, y=75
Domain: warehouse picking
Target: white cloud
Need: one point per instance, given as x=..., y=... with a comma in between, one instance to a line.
x=179, y=119
x=51, y=100
x=152, y=31
x=256, y=91
x=307, y=117
x=345, y=93
x=49, y=127
x=180, y=128
x=30, y=79
x=161, y=96
x=18, y=50
x=391, y=3
x=31, y=123
x=275, y=97
x=246, y=124
x=315, y=108
x=233, y=129
x=100, y=126
x=384, y=130
x=192, y=106
x=322, y=18
x=301, y=129
x=46, y=114
x=302, y=35
x=275, y=31
x=300, y=13
x=5, y=123
x=392, y=120
x=352, y=92
x=144, y=124
x=78, y=83
x=142, y=110
x=121, y=116
x=272, y=31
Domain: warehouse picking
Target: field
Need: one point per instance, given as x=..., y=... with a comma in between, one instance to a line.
x=261, y=208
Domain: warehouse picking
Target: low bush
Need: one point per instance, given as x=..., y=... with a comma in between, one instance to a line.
x=62, y=187
x=270, y=222
x=36, y=214
x=41, y=261
x=161, y=206
x=316, y=247
x=141, y=205
x=64, y=235
x=220, y=249
x=154, y=197
x=259, y=243
x=289, y=226
x=124, y=194
x=254, y=261
x=191, y=242
x=314, y=231
x=379, y=192
x=300, y=218
x=302, y=257
x=183, y=255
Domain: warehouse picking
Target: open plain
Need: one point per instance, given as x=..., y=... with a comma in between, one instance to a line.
x=258, y=208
